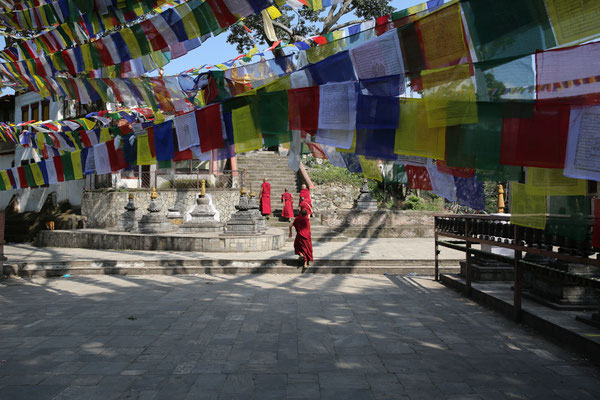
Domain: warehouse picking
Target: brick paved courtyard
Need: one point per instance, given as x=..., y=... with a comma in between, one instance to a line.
x=270, y=337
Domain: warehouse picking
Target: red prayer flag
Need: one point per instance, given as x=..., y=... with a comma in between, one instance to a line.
x=116, y=158
x=383, y=25
x=155, y=38
x=536, y=138
x=85, y=139
x=103, y=52
x=224, y=17
x=22, y=177
x=319, y=40
x=183, y=155
x=303, y=106
x=151, y=141
x=58, y=166
x=418, y=177
x=210, y=130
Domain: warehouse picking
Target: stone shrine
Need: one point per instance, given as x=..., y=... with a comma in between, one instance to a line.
x=243, y=222
x=127, y=222
x=203, y=215
x=255, y=212
x=365, y=201
x=174, y=216
x=155, y=221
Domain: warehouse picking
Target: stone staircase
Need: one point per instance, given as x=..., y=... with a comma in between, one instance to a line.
x=274, y=167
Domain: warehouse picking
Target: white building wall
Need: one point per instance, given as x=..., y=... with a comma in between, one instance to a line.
x=32, y=200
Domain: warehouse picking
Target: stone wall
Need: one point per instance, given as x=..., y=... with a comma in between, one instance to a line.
x=333, y=196
x=103, y=209
x=388, y=223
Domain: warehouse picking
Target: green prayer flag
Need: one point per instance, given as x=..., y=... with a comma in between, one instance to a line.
x=164, y=164
x=67, y=167
x=141, y=38
x=205, y=18
x=29, y=176
x=507, y=28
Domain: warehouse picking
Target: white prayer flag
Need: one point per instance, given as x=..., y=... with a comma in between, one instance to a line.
x=337, y=106
x=186, y=131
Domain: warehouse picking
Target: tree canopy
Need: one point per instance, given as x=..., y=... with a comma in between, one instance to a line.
x=298, y=25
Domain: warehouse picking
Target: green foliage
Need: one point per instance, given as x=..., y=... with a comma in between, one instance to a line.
x=326, y=173
x=303, y=23
x=491, y=197
x=417, y=203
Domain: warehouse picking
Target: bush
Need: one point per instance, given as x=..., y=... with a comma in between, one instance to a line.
x=417, y=203
x=326, y=173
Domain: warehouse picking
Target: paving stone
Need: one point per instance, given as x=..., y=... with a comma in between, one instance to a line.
x=303, y=390
x=271, y=337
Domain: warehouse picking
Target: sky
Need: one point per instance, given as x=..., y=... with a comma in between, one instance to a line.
x=216, y=50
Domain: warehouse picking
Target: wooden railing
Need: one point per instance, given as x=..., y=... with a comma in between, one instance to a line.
x=466, y=230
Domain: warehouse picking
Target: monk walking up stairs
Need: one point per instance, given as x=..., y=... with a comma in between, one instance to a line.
x=288, y=205
x=303, y=242
x=265, y=198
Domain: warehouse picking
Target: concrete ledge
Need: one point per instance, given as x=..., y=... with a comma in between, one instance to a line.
x=58, y=269
x=273, y=239
x=560, y=326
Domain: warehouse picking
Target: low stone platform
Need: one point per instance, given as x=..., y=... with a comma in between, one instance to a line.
x=364, y=256
x=561, y=325
x=272, y=239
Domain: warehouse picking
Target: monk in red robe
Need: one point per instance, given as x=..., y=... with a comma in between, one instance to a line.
x=288, y=205
x=265, y=198
x=304, y=205
x=303, y=242
x=305, y=193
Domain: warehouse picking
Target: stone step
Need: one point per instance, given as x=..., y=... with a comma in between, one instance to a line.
x=235, y=267
x=316, y=238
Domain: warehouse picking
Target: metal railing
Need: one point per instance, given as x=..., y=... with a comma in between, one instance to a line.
x=165, y=179
x=466, y=230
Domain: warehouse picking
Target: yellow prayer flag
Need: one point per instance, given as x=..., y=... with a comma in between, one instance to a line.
x=417, y=8
x=159, y=117
x=252, y=52
x=88, y=123
x=443, y=37
x=44, y=92
x=105, y=135
x=189, y=21
x=132, y=44
x=6, y=179
x=370, y=168
x=40, y=140
x=552, y=182
x=449, y=96
x=574, y=20
x=414, y=137
x=37, y=174
x=76, y=160
x=527, y=209
x=144, y=156
x=87, y=56
x=316, y=4
x=274, y=12
x=246, y=135
x=283, y=83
